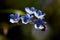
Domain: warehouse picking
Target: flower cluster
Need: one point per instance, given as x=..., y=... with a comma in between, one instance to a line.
x=32, y=16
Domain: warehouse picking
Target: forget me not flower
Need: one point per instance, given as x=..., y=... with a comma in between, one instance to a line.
x=30, y=10
x=26, y=19
x=38, y=14
x=14, y=18
x=41, y=24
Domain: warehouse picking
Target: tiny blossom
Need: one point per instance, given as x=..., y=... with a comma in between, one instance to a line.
x=30, y=10
x=26, y=19
x=39, y=14
x=41, y=24
x=30, y=17
x=14, y=18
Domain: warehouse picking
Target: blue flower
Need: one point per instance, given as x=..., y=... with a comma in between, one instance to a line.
x=38, y=14
x=30, y=17
x=26, y=19
x=41, y=24
x=14, y=18
x=30, y=10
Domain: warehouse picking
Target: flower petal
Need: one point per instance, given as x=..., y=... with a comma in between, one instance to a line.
x=42, y=24
x=42, y=16
x=12, y=16
x=30, y=11
x=17, y=16
x=35, y=26
x=13, y=21
x=24, y=20
x=39, y=12
x=41, y=27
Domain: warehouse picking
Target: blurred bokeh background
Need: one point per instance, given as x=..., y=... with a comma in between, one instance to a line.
x=20, y=31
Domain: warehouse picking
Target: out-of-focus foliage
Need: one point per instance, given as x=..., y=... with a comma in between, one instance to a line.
x=21, y=4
